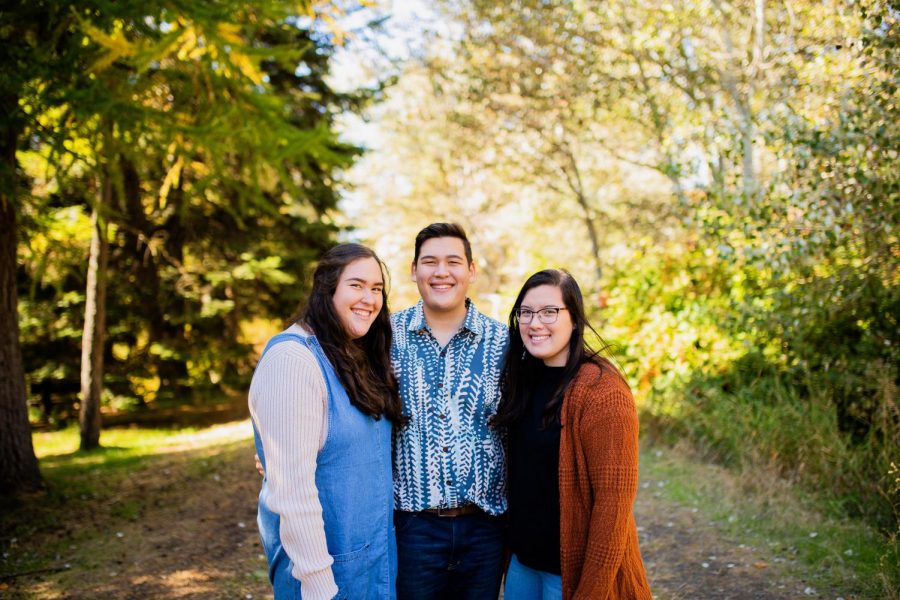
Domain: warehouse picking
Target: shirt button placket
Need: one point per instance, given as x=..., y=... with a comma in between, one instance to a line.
x=441, y=425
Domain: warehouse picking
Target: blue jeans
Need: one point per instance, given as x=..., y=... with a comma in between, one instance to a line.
x=448, y=557
x=525, y=583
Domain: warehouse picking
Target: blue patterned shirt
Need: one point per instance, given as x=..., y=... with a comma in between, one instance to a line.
x=448, y=455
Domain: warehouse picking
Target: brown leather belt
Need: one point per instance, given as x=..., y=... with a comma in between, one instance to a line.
x=458, y=511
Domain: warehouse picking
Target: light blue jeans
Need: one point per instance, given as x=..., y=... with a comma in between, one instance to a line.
x=525, y=583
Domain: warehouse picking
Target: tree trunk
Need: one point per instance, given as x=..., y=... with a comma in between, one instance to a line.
x=577, y=187
x=173, y=372
x=95, y=323
x=143, y=266
x=18, y=465
x=591, y=227
x=743, y=99
x=749, y=172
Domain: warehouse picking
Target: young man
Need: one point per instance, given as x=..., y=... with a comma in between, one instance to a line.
x=449, y=460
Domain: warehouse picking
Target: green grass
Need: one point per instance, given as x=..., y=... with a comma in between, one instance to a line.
x=756, y=507
x=48, y=445
x=759, y=420
x=122, y=449
x=833, y=500
x=84, y=487
x=752, y=504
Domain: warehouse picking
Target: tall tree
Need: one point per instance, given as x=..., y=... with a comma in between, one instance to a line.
x=34, y=43
x=210, y=73
x=92, y=342
x=18, y=465
x=189, y=108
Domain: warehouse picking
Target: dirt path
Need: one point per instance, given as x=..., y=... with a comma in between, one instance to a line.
x=191, y=533
x=687, y=556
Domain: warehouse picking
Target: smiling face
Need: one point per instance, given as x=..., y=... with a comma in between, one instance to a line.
x=359, y=296
x=443, y=275
x=548, y=342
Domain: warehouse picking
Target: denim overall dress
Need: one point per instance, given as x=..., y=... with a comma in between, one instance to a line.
x=353, y=477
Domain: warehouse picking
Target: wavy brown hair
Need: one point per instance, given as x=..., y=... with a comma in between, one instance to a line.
x=362, y=365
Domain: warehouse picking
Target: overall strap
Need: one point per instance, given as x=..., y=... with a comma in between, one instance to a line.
x=312, y=344
x=283, y=337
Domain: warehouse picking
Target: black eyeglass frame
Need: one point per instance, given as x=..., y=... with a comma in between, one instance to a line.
x=551, y=312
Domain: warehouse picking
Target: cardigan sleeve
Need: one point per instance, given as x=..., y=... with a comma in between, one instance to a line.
x=288, y=400
x=608, y=429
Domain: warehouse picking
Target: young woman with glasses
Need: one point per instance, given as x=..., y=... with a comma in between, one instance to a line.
x=573, y=454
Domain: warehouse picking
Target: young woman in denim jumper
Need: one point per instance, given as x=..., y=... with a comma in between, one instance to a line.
x=322, y=402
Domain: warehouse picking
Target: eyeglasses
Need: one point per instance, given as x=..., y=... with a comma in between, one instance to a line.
x=546, y=315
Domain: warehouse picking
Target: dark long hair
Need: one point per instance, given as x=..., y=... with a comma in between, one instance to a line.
x=362, y=365
x=520, y=368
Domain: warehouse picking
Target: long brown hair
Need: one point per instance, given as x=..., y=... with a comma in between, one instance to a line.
x=520, y=367
x=362, y=365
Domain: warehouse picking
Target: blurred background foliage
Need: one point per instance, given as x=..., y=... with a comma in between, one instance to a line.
x=720, y=176
x=213, y=126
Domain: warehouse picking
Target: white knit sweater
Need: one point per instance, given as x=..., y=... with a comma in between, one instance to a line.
x=289, y=403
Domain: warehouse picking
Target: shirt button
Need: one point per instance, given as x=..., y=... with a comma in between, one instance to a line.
x=449, y=481
x=442, y=415
x=445, y=448
x=440, y=385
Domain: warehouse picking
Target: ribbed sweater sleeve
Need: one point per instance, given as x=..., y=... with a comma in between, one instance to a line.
x=288, y=401
x=609, y=434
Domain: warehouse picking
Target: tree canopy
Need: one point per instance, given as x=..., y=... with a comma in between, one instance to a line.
x=189, y=151
x=722, y=176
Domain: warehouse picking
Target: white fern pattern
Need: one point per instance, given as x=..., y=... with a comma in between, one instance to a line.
x=448, y=454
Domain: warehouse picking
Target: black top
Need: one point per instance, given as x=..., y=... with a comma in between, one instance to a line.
x=533, y=463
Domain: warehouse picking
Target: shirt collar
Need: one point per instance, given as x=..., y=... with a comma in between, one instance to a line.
x=473, y=322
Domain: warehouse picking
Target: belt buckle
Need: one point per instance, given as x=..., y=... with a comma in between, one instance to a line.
x=442, y=510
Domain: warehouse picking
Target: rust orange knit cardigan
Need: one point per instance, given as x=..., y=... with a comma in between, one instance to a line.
x=598, y=472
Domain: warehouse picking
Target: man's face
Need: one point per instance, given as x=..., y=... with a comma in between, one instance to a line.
x=443, y=274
